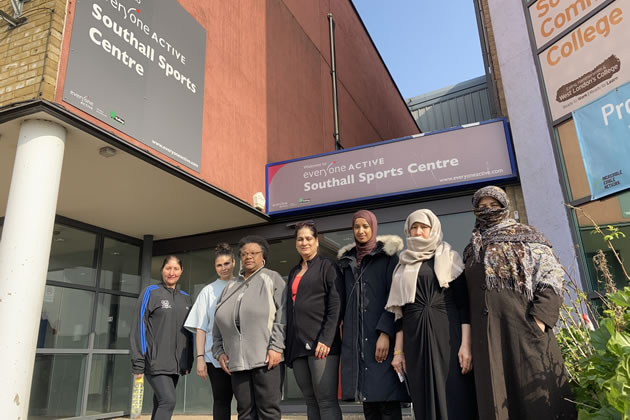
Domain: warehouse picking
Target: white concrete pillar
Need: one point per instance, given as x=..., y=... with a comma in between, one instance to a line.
x=533, y=145
x=24, y=255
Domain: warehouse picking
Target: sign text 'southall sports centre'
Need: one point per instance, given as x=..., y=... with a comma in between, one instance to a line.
x=440, y=160
x=139, y=67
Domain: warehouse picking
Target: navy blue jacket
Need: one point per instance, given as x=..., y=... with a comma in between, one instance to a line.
x=367, y=289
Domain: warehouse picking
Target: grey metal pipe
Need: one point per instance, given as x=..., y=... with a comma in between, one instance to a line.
x=333, y=74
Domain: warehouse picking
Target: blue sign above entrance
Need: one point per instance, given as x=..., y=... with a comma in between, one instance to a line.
x=470, y=154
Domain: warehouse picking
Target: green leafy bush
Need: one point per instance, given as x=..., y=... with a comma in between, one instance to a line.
x=596, y=347
x=602, y=381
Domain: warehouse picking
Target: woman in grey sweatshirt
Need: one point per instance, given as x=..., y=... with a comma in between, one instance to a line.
x=249, y=333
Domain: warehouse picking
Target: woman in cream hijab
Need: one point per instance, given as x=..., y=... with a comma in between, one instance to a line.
x=433, y=349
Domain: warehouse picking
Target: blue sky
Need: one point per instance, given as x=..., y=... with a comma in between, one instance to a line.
x=426, y=44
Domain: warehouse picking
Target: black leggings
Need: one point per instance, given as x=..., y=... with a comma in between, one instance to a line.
x=164, y=396
x=221, y=393
x=318, y=379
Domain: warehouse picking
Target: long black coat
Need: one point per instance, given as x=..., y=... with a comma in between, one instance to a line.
x=519, y=371
x=367, y=289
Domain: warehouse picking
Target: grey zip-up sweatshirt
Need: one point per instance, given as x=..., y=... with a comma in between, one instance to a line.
x=259, y=305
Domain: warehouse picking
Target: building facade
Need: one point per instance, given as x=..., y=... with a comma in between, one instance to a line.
x=133, y=130
x=124, y=124
x=551, y=63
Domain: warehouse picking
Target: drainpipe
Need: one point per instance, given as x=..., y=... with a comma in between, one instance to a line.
x=333, y=74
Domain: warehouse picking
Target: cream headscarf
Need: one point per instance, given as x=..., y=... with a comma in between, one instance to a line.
x=448, y=264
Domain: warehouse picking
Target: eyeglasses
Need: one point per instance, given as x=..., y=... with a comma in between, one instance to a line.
x=250, y=254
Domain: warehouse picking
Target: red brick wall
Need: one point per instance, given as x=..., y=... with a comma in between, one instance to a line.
x=268, y=94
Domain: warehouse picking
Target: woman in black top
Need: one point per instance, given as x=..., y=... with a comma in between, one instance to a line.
x=313, y=317
x=434, y=347
x=161, y=348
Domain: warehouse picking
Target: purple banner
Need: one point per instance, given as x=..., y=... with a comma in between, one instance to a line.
x=463, y=155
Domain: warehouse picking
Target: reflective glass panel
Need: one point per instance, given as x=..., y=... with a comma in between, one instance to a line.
x=198, y=393
x=114, y=315
x=109, y=384
x=66, y=318
x=291, y=388
x=592, y=242
x=57, y=386
x=72, y=256
x=121, y=266
x=198, y=270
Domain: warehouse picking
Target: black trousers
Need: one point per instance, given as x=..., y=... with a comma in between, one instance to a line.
x=164, y=396
x=258, y=391
x=221, y=392
x=386, y=410
x=318, y=379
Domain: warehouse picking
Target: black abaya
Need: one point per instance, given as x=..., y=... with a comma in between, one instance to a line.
x=432, y=337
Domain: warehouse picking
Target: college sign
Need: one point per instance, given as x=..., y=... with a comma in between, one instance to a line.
x=588, y=61
x=138, y=66
x=551, y=17
x=465, y=155
x=603, y=129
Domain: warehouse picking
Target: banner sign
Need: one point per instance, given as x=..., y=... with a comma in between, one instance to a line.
x=444, y=159
x=603, y=129
x=138, y=66
x=589, y=61
x=551, y=17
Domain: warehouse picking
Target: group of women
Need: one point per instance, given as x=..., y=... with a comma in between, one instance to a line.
x=460, y=338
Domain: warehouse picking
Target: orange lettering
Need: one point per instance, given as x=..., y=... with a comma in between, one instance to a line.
x=551, y=61
x=542, y=28
x=617, y=13
x=589, y=34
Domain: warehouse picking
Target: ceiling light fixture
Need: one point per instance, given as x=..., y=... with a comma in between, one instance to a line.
x=107, y=151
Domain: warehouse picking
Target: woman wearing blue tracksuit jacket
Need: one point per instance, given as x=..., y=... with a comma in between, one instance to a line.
x=161, y=348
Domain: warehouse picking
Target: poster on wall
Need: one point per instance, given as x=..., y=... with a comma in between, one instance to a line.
x=589, y=61
x=603, y=130
x=138, y=66
x=433, y=161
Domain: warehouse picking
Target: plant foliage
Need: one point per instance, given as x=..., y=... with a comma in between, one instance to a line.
x=596, y=347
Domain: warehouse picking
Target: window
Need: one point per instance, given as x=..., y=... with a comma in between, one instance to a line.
x=82, y=365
